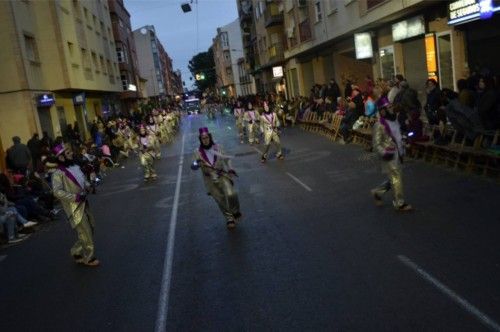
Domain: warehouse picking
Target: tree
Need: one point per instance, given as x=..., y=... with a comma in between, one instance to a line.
x=203, y=63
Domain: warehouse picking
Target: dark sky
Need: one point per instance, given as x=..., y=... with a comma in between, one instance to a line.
x=177, y=30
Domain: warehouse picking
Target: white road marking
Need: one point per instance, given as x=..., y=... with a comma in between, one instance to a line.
x=451, y=294
x=161, y=319
x=253, y=147
x=306, y=187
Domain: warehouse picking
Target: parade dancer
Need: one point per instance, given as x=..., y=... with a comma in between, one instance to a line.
x=146, y=156
x=217, y=176
x=269, y=125
x=153, y=131
x=71, y=188
x=388, y=143
x=239, y=112
x=252, y=121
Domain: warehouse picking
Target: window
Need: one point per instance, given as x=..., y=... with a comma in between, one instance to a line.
x=86, y=13
x=94, y=19
x=85, y=59
x=229, y=71
x=387, y=62
x=94, y=61
x=225, y=42
x=124, y=80
x=317, y=11
x=121, y=55
x=110, y=69
x=372, y=3
x=30, y=45
x=120, y=22
x=227, y=56
x=103, y=65
x=332, y=6
x=71, y=48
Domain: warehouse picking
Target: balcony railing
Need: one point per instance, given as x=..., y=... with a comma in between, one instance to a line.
x=305, y=33
x=273, y=15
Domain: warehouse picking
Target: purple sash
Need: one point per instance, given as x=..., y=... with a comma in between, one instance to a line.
x=70, y=176
x=205, y=157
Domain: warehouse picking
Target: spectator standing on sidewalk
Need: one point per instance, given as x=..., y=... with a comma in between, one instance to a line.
x=433, y=102
x=35, y=147
x=70, y=187
x=18, y=156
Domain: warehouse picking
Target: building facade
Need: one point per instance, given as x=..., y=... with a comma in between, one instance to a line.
x=353, y=40
x=228, y=50
x=62, y=67
x=131, y=82
x=155, y=65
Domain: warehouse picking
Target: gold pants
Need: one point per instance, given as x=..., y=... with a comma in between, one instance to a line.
x=147, y=163
x=269, y=137
x=252, y=130
x=240, y=127
x=395, y=182
x=223, y=192
x=84, y=246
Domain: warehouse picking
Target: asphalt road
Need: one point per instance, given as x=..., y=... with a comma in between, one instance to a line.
x=312, y=252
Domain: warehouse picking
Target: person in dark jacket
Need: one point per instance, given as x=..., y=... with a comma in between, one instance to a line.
x=333, y=92
x=433, y=102
x=35, y=147
x=18, y=156
x=487, y=103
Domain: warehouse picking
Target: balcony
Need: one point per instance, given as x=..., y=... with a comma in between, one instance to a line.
x=273, y=15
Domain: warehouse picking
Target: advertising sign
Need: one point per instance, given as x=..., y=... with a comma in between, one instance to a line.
x=430, y=56
x=409, y=28
x=79, y=99
x=363, y=45
x=46, y=100
x=463, y=11
x=278, y=71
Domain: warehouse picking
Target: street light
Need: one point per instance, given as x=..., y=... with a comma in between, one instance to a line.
x=186, y=7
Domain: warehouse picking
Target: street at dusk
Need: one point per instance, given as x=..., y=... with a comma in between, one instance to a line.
x=248, y=165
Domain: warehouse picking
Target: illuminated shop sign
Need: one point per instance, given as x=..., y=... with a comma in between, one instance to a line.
x=46, y=100
x=430, y=56
x=463, y=11
x=409, y=28
x=363, y=45
x=79, y=99
x=278, y=71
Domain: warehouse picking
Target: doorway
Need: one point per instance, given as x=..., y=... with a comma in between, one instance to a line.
x=415, y=66
x=45, y=121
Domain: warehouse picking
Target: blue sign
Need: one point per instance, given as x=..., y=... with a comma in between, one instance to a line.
x=463, y=11
x=79, y=99
x=485, y=9
x=46, y=100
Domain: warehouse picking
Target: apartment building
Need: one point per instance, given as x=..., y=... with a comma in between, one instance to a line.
x=154, y=63
x=232, y=77
x=132, y=84
x=354, y=39
x=61, y=66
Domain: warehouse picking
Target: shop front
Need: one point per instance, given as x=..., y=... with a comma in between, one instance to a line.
x=480, y=21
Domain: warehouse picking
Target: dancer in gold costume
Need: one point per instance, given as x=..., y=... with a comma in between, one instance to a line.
x=71, y=188
x=217, y=176
x=388, y=143
x=270, y=124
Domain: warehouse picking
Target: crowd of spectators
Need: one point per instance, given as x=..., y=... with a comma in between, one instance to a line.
x=26, y=198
